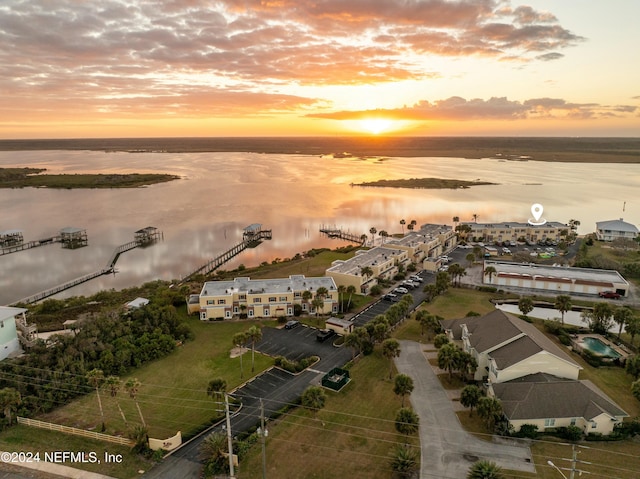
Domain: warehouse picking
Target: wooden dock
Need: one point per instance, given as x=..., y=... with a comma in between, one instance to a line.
x=109, y=268
x=252, y=237
x=344, y=235
x=30, y=244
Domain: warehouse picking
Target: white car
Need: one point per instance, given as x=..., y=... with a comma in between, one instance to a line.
x=415, y=278
x=445, y=258
x=401, y=290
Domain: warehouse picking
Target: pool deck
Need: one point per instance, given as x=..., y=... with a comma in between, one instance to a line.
x=578, y=341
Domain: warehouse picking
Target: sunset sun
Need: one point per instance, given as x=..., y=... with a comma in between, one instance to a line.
x=375, y=126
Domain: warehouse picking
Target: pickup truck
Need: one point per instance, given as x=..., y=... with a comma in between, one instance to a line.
x=609, y=294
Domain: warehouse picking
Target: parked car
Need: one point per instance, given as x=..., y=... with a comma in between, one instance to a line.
x=400, y=290
x=506, y=251
x=609, y=294
x=415, y=278
x=409, y=284
x=391, y=297
x=445, y=258
x=324, y=334
x=291, y=324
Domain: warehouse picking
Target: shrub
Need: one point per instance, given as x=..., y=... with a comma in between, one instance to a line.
x=570, y=433
x=592, y=359
x=527, y=430
x=487, y=289
x=564, y=339
x=376, y=290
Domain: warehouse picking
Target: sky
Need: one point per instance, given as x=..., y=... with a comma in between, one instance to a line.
x=114, y=68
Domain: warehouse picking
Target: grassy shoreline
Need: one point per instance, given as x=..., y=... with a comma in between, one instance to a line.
x=582, y=150
x=424, y=183
x=32, y=177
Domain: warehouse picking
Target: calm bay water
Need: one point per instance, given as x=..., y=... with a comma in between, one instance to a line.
x=203, y=213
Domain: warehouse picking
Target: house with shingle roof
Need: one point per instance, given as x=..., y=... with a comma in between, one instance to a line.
x=506, y=347
x=535, y=380
x=548, y=401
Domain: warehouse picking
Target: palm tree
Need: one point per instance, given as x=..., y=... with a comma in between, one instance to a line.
x=412, y=224
x=490, y=409
x=407, y=421
x=390, y=350
x=132, y=386
x=239, y=340
x=404, y=461
x=216, y=388
x=457, y=272
x=563, y=304
x=213, y=452
x=352, y=340
x=314, y=398
x=456, y=219
x=373, y=232
x=525, y=305
x=383, y=234
x=471, y=259
x=447, y=357
x=484, y=470
x=469, y=397
x=341, y=289
x=363, y=238
x=402, y=223
x=475, y=217
x=403, y=386
x=114, y=384
x=95, y=377
x=490, y=271
x=621, y=316
x=350, y=289
x=253, y=334
x=306, y=296
x=633, y=327
x=10, y=399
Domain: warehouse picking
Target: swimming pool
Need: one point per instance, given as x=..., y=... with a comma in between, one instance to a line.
x=597, y=346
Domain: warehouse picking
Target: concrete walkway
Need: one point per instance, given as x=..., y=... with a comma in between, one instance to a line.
x=51, y=469
x=447, y=449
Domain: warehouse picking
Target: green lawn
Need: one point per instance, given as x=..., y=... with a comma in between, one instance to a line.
x=352, y=437
x=173, y=392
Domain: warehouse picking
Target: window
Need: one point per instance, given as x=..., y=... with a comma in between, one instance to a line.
x=272, y=299
x=549, y=422
x=251, y=313
x=573, y=421
x=222, y=301
x=257, y=300
x=267, y=313
x=289, y=311
x=227, y=314
x=242, y=297
x=210, y=301
x=283, y=299
x=594, y=424
x=235, y=310
x=297, y=294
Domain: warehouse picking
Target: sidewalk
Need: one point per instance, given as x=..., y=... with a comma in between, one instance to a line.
x=49, y=470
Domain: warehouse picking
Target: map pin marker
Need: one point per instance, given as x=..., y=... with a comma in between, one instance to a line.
x=536, y=211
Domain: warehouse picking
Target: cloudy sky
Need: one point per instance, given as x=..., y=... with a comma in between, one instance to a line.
x=84, y=68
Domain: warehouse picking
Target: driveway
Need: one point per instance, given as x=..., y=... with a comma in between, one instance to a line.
x=447, y=449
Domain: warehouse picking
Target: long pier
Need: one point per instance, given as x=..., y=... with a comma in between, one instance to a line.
x=344, y=235
x=251, y=239
x=150, y=236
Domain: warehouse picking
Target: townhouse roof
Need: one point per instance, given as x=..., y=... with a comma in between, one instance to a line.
x=542, y=395
x=505, y=338
x=296, y=282
x=616, y=225
x=413, y=239
x=513, y=224
x=364, y=258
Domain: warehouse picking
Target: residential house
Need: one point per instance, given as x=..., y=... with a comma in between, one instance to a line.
x=535, y=380
x=614, y=229
x=264, y=298
x=513, y=231
x=549, y=401
x=9, y=344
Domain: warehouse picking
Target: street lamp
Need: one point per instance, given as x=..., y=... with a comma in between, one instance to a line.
x=557, y=468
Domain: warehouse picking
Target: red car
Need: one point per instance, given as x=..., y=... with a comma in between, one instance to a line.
x=609, y=294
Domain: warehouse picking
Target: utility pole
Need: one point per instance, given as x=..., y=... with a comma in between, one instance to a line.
x=229, y=439
x=263, y=434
